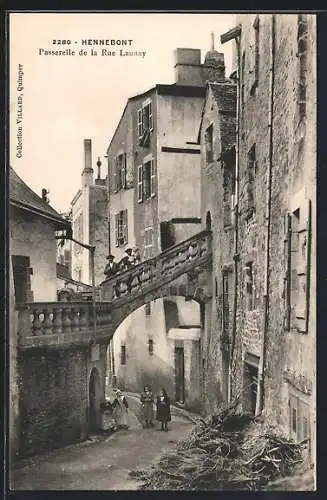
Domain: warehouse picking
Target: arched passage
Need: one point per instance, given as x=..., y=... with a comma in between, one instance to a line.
x=208, y=221
x=157, y=342
x=94, y=400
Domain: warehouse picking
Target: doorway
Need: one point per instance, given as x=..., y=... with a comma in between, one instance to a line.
x=94, y=401
x=250, y=387
x=179, y=375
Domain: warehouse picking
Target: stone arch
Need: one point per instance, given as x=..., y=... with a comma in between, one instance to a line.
x=208, y=221
x=119, y=314
x=94, y=400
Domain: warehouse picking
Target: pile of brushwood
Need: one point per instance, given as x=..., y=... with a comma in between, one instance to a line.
x=220, y=453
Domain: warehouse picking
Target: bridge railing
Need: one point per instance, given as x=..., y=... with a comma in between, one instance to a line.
x=37, y=319
x=164, y=267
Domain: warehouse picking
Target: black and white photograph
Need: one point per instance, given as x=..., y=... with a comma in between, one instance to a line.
x=162, y=251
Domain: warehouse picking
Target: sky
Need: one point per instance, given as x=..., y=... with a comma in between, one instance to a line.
x=66, y=99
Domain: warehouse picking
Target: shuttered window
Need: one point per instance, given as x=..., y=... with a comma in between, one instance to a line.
x=254, y=54
x=251, y=175
x=140, y=122
x=140, y=183
x=297, y=267
x=153, y=179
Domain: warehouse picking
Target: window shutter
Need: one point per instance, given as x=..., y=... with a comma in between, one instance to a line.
x=117, y=229
x=287, y=271
x=140, y=122
x=153, y=179
x=124, y=172
x=116, y=175
x=303, y=267
x=150, y=117
x=140, y=183
x=125, y=227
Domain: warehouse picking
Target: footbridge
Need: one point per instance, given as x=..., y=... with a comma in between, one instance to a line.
x=173, y=272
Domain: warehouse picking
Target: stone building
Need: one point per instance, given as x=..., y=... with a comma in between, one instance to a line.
x=217, y=139
x=32, y=227
x=272, y=341
x=89, y=221
x=154, y=203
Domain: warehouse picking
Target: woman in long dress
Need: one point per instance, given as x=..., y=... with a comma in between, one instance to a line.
x=147, y=400
x=120, y=410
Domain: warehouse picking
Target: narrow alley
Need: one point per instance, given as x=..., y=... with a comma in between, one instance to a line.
x=100, y=463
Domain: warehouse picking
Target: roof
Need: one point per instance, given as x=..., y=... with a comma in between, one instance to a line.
x=225, y=95
x=23, y=197
x=173, y=89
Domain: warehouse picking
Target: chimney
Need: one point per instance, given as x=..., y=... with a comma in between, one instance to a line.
x=214, y=64
x=98, y=181
x=188, y=67
x=87, y=174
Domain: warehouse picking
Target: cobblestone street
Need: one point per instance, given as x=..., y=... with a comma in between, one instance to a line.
x=99, y=463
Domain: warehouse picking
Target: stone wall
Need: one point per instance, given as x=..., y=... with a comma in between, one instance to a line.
x=54, y=396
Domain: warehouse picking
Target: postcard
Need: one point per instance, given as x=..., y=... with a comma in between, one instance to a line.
x=162, y=251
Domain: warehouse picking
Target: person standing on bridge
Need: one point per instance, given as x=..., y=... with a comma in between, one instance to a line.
x=163, y=410
x=147, y=401
x=111, y=268
x=120, y=410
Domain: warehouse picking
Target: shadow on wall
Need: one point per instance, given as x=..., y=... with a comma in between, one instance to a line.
x=143, y=368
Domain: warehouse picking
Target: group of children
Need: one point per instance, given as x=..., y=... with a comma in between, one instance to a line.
x=163, y=408
x=130, y=258
x=120, y=409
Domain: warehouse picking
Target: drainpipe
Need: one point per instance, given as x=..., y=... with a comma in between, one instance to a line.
x=235, y=34
x=261, y=368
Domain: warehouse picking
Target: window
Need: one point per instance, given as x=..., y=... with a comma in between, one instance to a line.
x=121, y=228
x=146, y=180
x=140, y=183
x=148, y=242
x=249, y=286
x=120, y=172
x=139, y=122
x=297, y=267
x=299, y=424
x=147, y=117
x=145, y=123
x=147, y=309
x=251, y=173
x=123, y=354
x=255, y=57
x=228, y=193
x=208, y=137
x=150, y=346
x=302, y=37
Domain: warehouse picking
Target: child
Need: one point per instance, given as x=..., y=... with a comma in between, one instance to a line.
x=147, y=400
x=163, y=410
x=120, y=410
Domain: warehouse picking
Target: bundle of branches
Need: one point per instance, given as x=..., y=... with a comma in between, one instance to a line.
x=218, y=455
